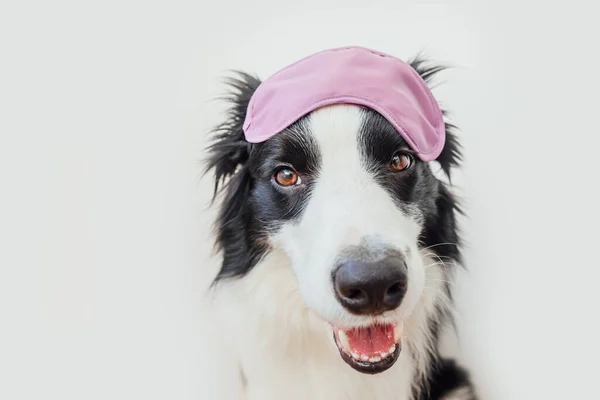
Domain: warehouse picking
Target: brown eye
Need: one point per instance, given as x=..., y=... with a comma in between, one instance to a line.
x=287, y=177
x=401, y=162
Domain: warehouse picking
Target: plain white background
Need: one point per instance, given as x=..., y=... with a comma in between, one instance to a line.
x=104, y=244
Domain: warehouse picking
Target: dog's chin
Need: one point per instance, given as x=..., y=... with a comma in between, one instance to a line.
x=369, y=349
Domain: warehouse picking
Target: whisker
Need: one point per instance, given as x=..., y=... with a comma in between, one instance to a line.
x=432, y=264
x=440, y=280
x=443, y=264
x=438, y=256
x=440, y=244
x=432, y=288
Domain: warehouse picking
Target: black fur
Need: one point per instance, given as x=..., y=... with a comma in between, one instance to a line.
x=445, y=377
x=229, y=148
x=451, y=155
x=236, y=229
x=252, y=206
x=416, y=187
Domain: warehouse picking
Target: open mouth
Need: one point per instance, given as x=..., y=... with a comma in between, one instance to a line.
x=370, y=350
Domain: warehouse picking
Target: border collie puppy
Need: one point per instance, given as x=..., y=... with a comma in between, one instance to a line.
x=338, y=245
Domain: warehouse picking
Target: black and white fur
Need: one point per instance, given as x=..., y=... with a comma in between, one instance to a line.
x=279, y=246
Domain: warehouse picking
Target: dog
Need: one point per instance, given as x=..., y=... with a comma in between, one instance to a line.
x=338, y=248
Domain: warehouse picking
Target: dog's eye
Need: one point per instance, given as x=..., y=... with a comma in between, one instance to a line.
x=401, y=162
x=287, y=177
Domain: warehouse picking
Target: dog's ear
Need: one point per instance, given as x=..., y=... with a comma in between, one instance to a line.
x=442, y=231
x=237, y=234
x=228, y=154
x=451, y=154
x=229, y=148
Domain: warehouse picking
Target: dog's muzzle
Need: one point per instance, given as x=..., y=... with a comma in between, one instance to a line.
x=370, y=288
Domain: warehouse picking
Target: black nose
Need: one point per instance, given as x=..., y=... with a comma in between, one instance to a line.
x=368, y=288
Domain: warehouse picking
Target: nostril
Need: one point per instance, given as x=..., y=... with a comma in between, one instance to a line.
x=354, y=294
x=395, y=293
x=395, y=289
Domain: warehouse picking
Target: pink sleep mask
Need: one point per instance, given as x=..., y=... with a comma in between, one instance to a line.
x=349, y=75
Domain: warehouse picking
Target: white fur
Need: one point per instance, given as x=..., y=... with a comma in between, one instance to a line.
x=464, y=393
x=282, y=311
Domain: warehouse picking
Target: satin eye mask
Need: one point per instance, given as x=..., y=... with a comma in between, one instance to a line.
x=349, y=75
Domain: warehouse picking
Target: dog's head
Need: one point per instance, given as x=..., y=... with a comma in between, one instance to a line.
x=345, y=198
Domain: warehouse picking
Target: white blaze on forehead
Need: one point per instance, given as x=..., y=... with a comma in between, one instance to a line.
x=342, y=184
x=344, y=188
x=343, y=181
x=336, y=130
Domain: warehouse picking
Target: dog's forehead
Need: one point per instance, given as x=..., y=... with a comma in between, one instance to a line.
x=336, y=130
x=348, y=132
x=336, y=138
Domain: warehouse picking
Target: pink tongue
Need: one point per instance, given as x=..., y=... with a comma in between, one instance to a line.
x=371, y=340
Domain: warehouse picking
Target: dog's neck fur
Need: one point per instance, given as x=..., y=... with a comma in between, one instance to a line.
x=283, y=347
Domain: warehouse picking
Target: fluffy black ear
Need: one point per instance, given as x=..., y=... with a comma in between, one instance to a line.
x=451, y=155
x=235, y=228
x=238, y=235
x=229, y=148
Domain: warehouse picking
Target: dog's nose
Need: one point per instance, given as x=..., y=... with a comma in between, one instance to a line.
x=369, y=288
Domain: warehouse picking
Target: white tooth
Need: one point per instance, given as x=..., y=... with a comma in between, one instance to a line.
x=398, y=332
x=344, y=341
x=383, y=355
x=364, y=358
x=392, y=349
x=374, y=359
x=355, y=356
